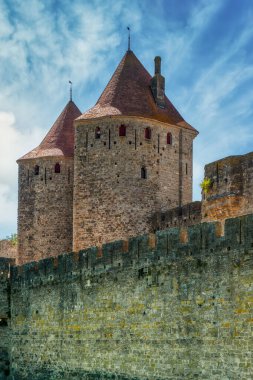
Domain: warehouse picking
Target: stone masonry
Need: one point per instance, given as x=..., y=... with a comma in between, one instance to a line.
x=45, y=208
x=126, y=158
x=174, y=305
x=231, y=192
x=111, y=200
x=45, y=192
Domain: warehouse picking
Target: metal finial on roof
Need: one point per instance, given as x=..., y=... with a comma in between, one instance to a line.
x=70, y=90
x=128, y=28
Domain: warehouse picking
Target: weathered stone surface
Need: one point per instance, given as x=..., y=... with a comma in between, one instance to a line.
x=8, y=248
x=167, y=306
x=187, y=215
x=111, y=200
x=45, y=208
x=5, y=314
x=231, y=192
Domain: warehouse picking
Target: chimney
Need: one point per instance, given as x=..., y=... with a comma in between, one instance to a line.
x=158, y=84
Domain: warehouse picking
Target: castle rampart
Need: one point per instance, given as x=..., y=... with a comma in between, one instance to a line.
x=117, y=311
x=184, y=216
x=231, y=192
x=5, y=317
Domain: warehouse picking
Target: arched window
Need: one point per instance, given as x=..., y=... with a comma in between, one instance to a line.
x=122, y=130
x=169, y=138
x=36, y=170
x=57, y=168
x=97, y=133
x=143, y=173
x=147, y=133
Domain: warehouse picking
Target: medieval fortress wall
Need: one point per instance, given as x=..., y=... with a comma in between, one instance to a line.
x=230, y=195
x=177, y=304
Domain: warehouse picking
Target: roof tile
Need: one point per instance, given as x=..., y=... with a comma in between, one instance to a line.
x=128, y=93
x=59, y=141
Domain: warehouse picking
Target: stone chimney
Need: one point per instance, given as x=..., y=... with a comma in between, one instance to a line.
x=158, y=84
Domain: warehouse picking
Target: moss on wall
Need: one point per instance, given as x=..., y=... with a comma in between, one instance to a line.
x=163, y=309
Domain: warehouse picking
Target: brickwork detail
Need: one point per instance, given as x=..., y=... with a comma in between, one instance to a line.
x=111, y=199
x=5, y=317
x=45, y=212
x=8, y=249
x=231, y=192
x=109, y=313
x=186, y=215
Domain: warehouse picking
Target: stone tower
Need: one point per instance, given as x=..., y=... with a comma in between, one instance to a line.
x=45, y=205
x=133, y=157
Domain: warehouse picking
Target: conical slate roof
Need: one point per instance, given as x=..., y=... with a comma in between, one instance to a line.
x=128, y=93
x=59, y=141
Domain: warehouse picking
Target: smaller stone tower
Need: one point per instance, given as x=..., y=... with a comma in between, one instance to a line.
x=45, y=204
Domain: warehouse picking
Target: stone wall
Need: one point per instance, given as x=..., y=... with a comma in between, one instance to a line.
x=174, y=305
x=8, y=248
x=45, y=208
x=5, y=336
x=111, y=200
x=231, y=192
x=184, y=216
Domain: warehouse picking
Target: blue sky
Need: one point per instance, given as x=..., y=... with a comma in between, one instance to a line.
x=207, y=59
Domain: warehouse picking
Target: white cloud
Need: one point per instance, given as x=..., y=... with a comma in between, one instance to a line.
x=13, y=144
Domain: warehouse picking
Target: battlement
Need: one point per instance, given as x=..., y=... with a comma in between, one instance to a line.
x=167, y=245
x=230, y=193
x=186, y=215
x=230, y=176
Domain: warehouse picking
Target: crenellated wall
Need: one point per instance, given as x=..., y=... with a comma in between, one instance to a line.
x=231, y=192
x=184, y=216
x=172, y=305
x=5, y=317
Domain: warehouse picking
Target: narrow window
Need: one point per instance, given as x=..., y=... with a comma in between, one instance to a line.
x=122, y=130
x=169, y=138
x=143, y=173
x=186, y=169
x=147, y=133
x=36, y=170
x=57, y=168
x=97, y=133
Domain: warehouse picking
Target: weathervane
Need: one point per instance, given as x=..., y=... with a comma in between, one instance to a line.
x=128, y=28
x=70, y=90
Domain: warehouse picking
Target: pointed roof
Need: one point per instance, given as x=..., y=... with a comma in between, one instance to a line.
x=128, y=93
x=59, y=141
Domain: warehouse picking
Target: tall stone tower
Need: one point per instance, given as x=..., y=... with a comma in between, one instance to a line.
x=45, y=205
x=133, y=157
